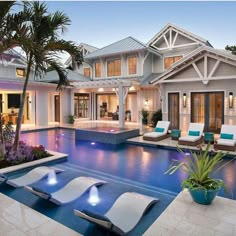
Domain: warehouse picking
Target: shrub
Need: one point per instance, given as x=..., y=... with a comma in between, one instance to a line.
x=156, y=116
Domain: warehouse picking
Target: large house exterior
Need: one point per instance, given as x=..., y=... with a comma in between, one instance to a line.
x=176, y=71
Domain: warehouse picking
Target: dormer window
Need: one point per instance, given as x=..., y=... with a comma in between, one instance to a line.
x=168, y=61
x=87, y=72
x=20, y=72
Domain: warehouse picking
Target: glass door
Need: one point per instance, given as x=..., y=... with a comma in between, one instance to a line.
x=208, y=108
x=173, y=110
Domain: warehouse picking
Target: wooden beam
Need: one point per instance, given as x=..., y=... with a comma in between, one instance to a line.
x=205, y=66
x=214, y=68
x=197, y=70
x=173, y=43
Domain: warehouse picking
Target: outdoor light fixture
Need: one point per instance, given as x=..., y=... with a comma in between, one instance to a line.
x=230, y=99
x=146, y=103
x=184, y=99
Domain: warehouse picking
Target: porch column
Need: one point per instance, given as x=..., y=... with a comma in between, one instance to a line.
x=121, y=93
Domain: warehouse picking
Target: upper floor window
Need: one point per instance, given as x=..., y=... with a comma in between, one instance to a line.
x=114, y=68
x=132, y=65
x=87, y=72
x=20, y=72
x=98, y=69
x=168, y=61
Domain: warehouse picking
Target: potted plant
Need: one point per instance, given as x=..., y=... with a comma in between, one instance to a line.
x=156, y=116
x=200, y=168
x=144, y=114
x=128, y=115
x=71, y=119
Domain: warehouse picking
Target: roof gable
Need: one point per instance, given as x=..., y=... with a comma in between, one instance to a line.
x=171, y=37
x=204, y=64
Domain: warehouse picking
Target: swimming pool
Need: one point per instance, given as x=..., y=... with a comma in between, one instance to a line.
x=143, y=164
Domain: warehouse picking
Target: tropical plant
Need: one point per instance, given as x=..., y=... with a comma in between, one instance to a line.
x=156, y=116
x=37, y=32
x=144, y=114
x=71, y=119
x=200, y=168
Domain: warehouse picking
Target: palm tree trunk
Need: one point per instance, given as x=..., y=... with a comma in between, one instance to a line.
x=2, y=143
x=22, y=103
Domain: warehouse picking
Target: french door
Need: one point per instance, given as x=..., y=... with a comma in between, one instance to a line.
x=57, y=107
x=173, y=110
x=208, y=108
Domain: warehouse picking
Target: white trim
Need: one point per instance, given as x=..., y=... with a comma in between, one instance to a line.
x=197, y=70
x=214, y=68
x=205, y=66
x=178, y=46
x=176, y=35
x=167, y=43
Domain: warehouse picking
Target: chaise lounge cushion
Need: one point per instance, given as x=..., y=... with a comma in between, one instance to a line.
x=190, y=138
x=227, y=142
x=226, y=136
x=153, y=134
x=159, y=130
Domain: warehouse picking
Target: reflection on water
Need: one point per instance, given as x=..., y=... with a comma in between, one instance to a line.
x=146, y=165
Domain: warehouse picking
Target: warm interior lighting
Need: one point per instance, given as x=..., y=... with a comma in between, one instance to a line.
x=20, y=72
x=184, y=99
x=231, y=100
x=146, y=102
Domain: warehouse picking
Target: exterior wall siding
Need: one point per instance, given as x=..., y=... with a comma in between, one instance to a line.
x=225, y=86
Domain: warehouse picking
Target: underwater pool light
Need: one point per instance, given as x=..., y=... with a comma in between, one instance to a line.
x=93, y=196
x=52, y=178
x=92, y=143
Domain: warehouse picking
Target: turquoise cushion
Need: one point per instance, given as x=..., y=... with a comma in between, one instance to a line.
x=160, y=130
x=193, y=133
x=226, y=136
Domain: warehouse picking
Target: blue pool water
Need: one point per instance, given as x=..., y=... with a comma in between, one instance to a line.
x=125, y=167
x=143, y=164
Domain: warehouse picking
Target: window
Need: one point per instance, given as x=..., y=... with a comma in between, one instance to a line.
x=132, y=65
x=87, y=72
x=13, y=100
x=171, y=60
x=97, y=69
x=114, y=68
x=20, y=72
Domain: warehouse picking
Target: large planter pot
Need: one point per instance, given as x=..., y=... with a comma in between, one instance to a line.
x=202, y=197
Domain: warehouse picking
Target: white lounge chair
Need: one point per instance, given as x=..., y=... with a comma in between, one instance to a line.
x=194, y=135
x=160, y=132
x=227, y=140
x=124, y=215
x=31, y=177
x=71, y=191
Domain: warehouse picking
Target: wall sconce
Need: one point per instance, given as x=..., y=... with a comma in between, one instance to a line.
x=146, y=102
x=230, y=99
x=184, y=100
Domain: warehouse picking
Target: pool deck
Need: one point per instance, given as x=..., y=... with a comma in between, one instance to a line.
x=18, y=219
x=183, y=217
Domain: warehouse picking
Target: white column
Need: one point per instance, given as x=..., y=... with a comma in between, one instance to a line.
x=42, y=107
x=65, y=109
x=122, y=92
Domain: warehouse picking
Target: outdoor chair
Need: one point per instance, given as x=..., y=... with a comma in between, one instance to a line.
x=194, y=135
x=159, y=133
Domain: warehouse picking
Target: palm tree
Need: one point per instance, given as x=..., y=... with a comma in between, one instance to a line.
x=38, y=33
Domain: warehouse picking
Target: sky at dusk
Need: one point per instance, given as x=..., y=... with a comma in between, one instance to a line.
x=102, y=23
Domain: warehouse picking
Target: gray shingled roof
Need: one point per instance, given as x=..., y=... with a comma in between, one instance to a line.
x=52, y=76
x=125, y=45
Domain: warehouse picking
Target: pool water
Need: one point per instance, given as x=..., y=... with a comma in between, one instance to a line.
x=143, y=164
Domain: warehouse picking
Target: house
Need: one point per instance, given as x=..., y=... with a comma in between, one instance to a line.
x=177, y=71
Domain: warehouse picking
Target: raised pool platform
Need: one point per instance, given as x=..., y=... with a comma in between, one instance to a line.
x=106, y=134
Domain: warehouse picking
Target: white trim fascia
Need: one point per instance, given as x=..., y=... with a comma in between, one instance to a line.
x=199, y=79
x=167, y=43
